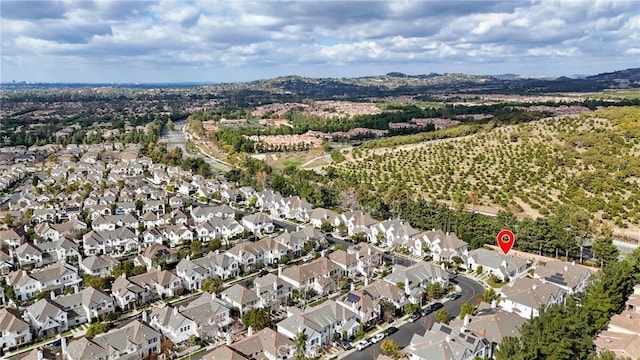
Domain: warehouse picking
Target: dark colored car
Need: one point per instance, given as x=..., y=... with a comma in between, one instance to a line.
x=390, y=330
x=455, y=296
x=345, y=344
x=436, y=306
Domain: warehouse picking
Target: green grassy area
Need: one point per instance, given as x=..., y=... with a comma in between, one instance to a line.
x=292, y=163
x=628, y=94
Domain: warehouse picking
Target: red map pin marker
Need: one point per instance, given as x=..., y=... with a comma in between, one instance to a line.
x=506, y=239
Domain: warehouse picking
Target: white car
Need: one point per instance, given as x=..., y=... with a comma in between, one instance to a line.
x=377, y=338
x=363, y=344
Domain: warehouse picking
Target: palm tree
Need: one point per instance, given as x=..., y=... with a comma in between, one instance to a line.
x=301, y=346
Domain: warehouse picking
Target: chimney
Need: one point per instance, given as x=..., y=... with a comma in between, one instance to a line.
x=448, y=338
x=353, y=287
x=257, y=289
x=566, y=268
x=573, y=262
x=465, y=322
x=76, y=289
x=323, y=253
x=366, y=281
x=534, y=286
x=144, y=317
x=369, y=251
x=275, y=285
x=250, y=331
x=158, y=267
x=494, y=304
x=406, y=286
x=40, y=354
x=188, y=257
x=52, y=295
x=279, y=270
x=175, y=312
x=227, y=338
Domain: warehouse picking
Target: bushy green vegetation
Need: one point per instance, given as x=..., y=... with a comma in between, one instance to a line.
x=591, y=162
x=566, y=331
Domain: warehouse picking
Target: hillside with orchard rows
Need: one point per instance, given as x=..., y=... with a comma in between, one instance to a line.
x=591, y=161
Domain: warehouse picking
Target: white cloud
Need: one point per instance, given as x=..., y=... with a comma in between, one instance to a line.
x=275, y=36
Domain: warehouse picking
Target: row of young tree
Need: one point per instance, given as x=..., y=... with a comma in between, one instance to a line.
x=565, y=332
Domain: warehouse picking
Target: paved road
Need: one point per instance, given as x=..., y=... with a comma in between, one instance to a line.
x=470, y=288
x=177, y=138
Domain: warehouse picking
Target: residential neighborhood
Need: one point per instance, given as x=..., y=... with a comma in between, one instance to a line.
x=166, y=262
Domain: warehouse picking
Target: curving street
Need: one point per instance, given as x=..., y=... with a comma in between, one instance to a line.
x=470, y=289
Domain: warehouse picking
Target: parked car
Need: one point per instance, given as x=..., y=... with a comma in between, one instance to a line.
x=377, y=338
x=426, y=311
x=414, y=317
x=436, y=306
x=363, y=344
x=345, y=344
x=454, y=296
x=390, y=330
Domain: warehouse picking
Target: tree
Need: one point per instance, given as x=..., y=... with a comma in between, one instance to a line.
x=257, y=318
x=96, y=328
x=196, y=249
x=301, y=346
x=479, y=270
x=443, y=316
x=9, y=292
x=326, y=227
x=214, y=245
x=490, y=295
x=435, y=290
x=212, y=285
x=604, y=250
x=390, y=348
x=510, y=348
x=467, y=308
x=8, y=219
x=388, y=310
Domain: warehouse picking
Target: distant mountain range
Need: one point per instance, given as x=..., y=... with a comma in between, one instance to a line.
x=398, y=83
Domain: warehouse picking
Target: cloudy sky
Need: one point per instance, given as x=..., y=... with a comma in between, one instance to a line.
x=215, y=41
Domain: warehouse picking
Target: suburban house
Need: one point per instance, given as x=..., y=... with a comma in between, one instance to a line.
x=415, y=278
x=86, y=305
x=14, y=330
x=443, y=246
x=319, y=215
x=107, y=241
x=172, y=324
x=258, y=223
x=490, y=323
x=384, y=290
x=47, y=318
x=319, y=274
x=218, y=228
x=272, y=291
x=493, y=263
x=318, y=323
x=568, y=276
x=391, y=233
x=30, y=256
x=347, y=263
x=240, y=297
x=98, y=265
x=205, y=213
x=143, y=288
x=294, y=207
x=356, y=222
x=156, y=254
x=134, y=340
x=442, y=342
x=264, y=344
x=56, y=278
x=211, y=315
x=272, y=251
x=365, y=305
x=368, y=258
x=622, y=336
x=525, y=296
